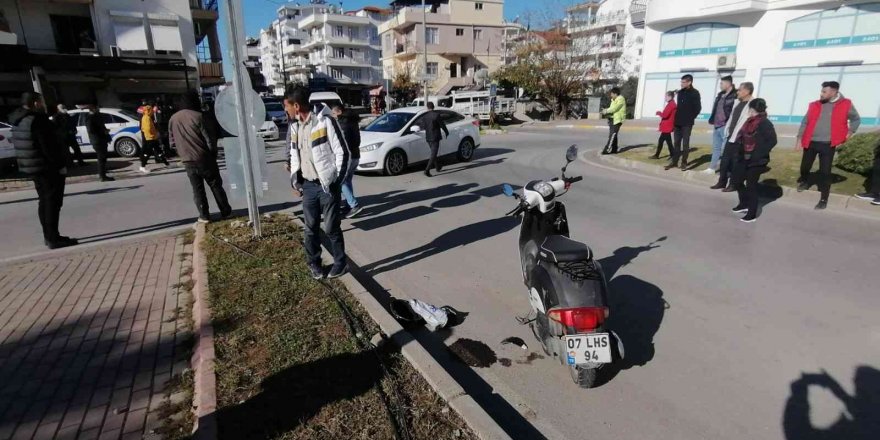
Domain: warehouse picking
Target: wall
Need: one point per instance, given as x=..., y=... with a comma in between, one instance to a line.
x=179, y=8
x=38, y=28
x=464, y=12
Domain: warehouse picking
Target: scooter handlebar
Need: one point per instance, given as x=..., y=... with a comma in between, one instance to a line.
x=575, y=179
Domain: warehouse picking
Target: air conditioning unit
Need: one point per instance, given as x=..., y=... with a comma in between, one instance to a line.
x=726, y=62
x=115, y=52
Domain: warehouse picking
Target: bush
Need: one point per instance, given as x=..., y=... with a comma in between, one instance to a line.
x=857, y=154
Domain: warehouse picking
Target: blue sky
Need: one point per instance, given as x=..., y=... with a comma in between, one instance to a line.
x=259, y=13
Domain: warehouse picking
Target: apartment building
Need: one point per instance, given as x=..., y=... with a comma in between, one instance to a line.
x=113, y=51
x=283, y=61
x=254, y=65
x=786, y=48
x=461, y=38
x=604, y=36
x=514, y=38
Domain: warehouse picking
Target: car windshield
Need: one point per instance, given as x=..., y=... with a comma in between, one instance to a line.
x=130, y=114
x=389, y=122
x=274, y=107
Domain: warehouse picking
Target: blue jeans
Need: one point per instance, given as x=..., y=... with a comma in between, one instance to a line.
x=717, y=147
x=316, y=203
x=347, y=188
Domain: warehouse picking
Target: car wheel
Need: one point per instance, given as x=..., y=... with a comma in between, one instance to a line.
x=466, y=150
x=395, y=163
x=126, y=147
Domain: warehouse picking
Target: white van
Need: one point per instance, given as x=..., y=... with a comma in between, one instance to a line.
x=439, y=101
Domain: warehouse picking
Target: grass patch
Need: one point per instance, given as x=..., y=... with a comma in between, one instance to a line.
x=175, y=411
x=785, y=165
x=288, y=366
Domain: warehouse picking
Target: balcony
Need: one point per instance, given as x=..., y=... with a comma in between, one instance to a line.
x=412, y=15
x=318, y=20
x=615, y=22
x=349, y=62
x=204, y=10
x=347, y=40
x=406, y=51
x=637, y=11
x=211, y=74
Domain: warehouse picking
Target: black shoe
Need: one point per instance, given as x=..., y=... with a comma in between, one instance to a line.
x=821, y=205
x=62, y=242
x=876, y=202
x=803, y=186
x=867, y=196
x=316, y=271
x=439, y=169
x=226, y=216
x=670, y=166
x=428, y=173
x=655, y=157
x=684, y=168
x=729, y=189
x=718, y=185
x=354, y=212
x=336, y=272
x=748, y=219
x=739, y=209
x=107, y=179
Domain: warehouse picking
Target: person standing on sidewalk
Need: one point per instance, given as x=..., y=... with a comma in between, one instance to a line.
x=42, y=157
x=351, y=134
x=152, y=145
x=317, y=161
x=433, y=124
x=667, y=118
x=689, y=107
x=66, y=131
x=100, y=139
x=198, y=152
x=873, y=195
x=829, y=122
x=721, y=110
x=616, y=112
x=735, y=123
x=756, y=139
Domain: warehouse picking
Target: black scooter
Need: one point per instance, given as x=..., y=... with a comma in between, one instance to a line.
x=568, y=292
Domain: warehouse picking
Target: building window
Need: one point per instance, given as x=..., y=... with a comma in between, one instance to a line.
x=478, y=6
x=847, y=25
x=338, y=31
x=699, y=39
x=432, y=70
x=338, y=52
x=73, y=35
x=478, y=34
x=356, y=74
x=335, y=73
x=657, y=84
x=432, y=36
x=166, y=37
x=459, y=32
x=131, y=36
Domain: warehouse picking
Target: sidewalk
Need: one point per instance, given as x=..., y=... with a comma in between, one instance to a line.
x=89, y=339
x=702, y=127
x=118, y=167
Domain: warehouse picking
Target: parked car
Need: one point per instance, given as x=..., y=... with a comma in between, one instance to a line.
x=269, y=130
x=319, y=99
x=275, y=113
x=124, y=126
x=395, y=140
x=7, y=151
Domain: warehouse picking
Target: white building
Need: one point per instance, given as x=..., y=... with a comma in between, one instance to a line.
x=281, y=55
x=603, y=31
x=786, y=48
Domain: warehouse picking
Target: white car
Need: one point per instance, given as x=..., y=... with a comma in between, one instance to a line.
x=7, y=151
x=319, y=99
x=269, y=131
x=124, y=126
x=395, y=140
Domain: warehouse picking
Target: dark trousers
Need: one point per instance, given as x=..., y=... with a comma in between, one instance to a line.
x=433, y=161
x=681, y=147
x=875, y=177
x=826, y=159
x=664, y=137
x=745, y=180
x=71, y=143
x=728, y=161
x=152, y=148
x=50, y=190
x=318, y=204
x=101, y=152
x=201, y=173
x=613, y=131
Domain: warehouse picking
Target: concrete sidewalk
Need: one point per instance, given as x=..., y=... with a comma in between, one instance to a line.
x=651, y=125
x=89, y=339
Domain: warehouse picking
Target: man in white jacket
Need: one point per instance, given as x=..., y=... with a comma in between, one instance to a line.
x=737, y=119
x=317, y=158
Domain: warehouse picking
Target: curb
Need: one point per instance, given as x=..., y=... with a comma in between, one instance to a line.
x=836, y=202
x=202, y=361
x=652, y=129
x=483, y=425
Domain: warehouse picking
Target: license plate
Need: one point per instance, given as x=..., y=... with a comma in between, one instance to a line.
x=588, y=349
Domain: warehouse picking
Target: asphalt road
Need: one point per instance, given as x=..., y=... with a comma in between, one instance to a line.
x=720, y=319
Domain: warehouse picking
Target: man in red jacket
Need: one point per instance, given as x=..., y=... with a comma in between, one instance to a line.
x=829, y=122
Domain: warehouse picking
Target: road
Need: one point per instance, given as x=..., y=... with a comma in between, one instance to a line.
x=719, y=318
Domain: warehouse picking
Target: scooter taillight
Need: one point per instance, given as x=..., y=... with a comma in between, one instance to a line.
x=581, y=319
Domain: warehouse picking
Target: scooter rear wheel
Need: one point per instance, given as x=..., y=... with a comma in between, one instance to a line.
x=584, y=377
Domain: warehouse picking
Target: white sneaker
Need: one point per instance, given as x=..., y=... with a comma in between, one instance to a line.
x=144, y=170
x=709, y=171
x=202, y=220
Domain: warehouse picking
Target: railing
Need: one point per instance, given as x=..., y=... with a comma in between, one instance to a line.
x=211, y=70
x=347, y=60
x=208, y=5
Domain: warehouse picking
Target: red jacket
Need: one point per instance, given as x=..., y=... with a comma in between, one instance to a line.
x=839, y=122
x=667, y=117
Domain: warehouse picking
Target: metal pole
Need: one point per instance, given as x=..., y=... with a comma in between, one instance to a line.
x=425, y=47
x=235, y=35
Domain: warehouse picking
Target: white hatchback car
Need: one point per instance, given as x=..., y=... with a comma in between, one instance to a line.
x=124, y=126
x=395, y=140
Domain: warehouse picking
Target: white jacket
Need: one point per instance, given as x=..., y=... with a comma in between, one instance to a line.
x=733, y=131
x=329, y=153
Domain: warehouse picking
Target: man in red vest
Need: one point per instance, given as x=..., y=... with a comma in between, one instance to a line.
x=829, y=122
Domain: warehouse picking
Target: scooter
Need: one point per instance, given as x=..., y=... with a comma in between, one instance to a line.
x=567, y=289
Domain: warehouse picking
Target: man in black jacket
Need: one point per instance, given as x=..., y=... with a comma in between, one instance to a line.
x=722, y=109
x=433, y=123
x=100, y=139
x=689, y=107
x=66, y=130
x=44, y=159
x=351, y=135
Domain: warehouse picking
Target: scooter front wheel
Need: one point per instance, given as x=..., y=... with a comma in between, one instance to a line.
x=584, y=377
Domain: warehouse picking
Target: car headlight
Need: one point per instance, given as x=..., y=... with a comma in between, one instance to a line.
x=371, y=147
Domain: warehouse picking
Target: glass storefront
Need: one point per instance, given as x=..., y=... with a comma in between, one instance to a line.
x=707, y=83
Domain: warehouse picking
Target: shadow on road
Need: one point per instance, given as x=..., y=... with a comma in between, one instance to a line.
x=81, y=193
x=860, y=421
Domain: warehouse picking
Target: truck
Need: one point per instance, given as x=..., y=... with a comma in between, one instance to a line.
x=479, y=104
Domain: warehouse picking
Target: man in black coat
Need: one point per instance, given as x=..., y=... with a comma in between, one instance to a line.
x=432, y=125
x=689, y=107
x=44, y=159
x=66, y=130
x=100, y=139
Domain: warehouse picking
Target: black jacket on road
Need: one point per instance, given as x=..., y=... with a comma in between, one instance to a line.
x=35, y=139
x=351, y=132
x=729, y=101
x=689, y=107
x=98, y=133
x=432, y=126
x=765, y=140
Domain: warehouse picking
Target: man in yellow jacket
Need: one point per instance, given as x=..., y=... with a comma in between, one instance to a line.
x=151, y=145
x=615, y=113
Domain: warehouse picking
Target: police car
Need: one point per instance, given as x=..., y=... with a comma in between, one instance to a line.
x=124, y=127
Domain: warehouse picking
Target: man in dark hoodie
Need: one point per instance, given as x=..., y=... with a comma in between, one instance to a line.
x=42, y=157
x=689, y=107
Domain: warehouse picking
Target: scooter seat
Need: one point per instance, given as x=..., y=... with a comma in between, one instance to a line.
x=561, y=249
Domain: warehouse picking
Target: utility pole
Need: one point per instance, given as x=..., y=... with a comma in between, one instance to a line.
x=246, y=134
x=425, y=47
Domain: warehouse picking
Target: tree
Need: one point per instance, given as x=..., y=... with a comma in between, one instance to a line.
x=403, y=88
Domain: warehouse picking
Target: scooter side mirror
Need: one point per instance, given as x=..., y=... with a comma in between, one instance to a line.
x=571, y=154
x=507, y=189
